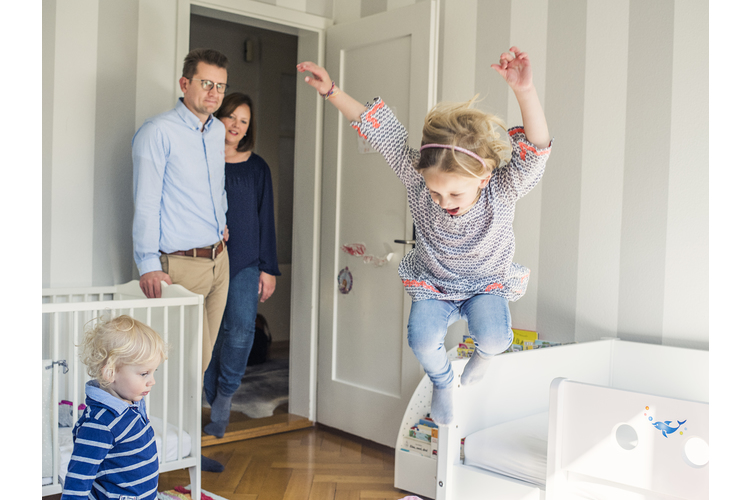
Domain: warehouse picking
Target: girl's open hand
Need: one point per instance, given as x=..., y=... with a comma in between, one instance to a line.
x=318, y=77
x=515, y=68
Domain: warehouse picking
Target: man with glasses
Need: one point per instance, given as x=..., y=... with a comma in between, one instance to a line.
x=179, y=227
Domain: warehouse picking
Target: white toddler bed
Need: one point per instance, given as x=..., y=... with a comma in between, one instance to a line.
x=608, y=419
x=174, y=404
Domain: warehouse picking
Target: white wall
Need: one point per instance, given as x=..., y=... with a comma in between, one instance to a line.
x=605, y=94
x=89, y=71
x=114, y=123
x=71, y=162
x=685, y=291
x=48, y=94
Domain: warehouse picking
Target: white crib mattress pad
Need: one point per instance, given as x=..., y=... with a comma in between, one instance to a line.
x=517, y=449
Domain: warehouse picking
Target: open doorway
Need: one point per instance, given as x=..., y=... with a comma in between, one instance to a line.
x=262, y=65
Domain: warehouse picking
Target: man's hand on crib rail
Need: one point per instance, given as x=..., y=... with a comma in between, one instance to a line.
x=151, y=283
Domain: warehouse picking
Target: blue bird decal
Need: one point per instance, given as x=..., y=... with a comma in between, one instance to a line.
x=665, y=428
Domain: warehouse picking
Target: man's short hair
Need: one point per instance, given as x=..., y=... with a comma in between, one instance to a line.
x=208, y=56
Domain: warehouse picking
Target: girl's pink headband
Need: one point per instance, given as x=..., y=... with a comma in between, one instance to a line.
x=456, y=148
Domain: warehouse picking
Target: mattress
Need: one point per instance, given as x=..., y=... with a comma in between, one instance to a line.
x=517, y=449
x=172, y=442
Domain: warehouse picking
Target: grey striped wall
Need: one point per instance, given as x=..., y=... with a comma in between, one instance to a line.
x=618, y=233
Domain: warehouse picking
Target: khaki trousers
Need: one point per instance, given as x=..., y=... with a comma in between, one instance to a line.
x=206, y=277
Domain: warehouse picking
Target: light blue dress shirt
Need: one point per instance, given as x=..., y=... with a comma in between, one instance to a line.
x=178, y=185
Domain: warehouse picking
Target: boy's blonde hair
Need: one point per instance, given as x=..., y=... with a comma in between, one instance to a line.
x=460, y=125
x=109, y=344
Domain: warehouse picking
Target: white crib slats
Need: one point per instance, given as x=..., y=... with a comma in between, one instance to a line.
x=165, y=394
x=55, y=395
x=74, y=368
x=181, y=378
x=67, y=313
x=195, y=472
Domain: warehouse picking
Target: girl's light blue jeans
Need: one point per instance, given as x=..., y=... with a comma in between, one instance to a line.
x=488, y=317
x=236, y=336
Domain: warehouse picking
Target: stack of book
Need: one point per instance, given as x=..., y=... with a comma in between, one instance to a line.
x=523, y=340
x=466, y=347
x=538, y=344
x=422, y=439
x=526, y=340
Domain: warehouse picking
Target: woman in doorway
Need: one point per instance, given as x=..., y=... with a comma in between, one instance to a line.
x=253, y=265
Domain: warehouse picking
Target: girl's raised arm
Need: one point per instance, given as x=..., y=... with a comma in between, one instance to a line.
x=515, y=68
x=322, y=83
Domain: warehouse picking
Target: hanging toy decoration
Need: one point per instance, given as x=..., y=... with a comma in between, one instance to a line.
x=356, y=249
x=345, y=280
x=359, y=249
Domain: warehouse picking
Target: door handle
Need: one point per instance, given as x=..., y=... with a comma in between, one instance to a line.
x=413, y=240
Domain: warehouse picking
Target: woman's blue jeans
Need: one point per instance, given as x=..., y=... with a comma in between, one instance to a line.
x=236, y=335
x=488, y=317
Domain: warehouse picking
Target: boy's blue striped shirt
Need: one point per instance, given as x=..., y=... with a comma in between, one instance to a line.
x=114, y=450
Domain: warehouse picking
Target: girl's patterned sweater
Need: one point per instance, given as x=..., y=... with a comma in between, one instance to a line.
x=457, y=257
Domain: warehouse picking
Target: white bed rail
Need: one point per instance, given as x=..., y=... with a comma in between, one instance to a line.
x=175, y=399
x=516, y=385
x=617, y=444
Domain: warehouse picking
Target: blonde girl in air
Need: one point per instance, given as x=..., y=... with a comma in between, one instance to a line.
x=462, y=186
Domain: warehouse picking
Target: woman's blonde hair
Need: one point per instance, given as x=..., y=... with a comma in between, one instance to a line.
x=461, y=126
x=109, y=344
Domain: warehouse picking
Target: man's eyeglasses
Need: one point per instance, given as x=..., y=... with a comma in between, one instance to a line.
x=208, y=85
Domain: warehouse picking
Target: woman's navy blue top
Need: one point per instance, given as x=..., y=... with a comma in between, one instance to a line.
x=252, y=235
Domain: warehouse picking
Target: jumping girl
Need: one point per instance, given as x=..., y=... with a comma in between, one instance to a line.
x=462, y=186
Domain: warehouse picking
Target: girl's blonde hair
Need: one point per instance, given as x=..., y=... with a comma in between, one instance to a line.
x=109, y=344
x=460, y=125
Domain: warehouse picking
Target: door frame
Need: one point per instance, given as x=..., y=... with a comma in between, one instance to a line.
x=310, y=30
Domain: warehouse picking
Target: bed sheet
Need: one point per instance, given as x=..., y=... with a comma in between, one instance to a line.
x=517, y=449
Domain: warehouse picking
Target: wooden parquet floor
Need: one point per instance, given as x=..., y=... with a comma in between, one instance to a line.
x=317, y=463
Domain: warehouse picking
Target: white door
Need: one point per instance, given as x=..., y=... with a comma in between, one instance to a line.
x=366, y=370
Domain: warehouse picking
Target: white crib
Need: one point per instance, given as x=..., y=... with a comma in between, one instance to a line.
x=588, y=420
x=174, y=404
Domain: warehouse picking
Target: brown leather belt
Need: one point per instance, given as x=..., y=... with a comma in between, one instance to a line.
x=207, y=252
